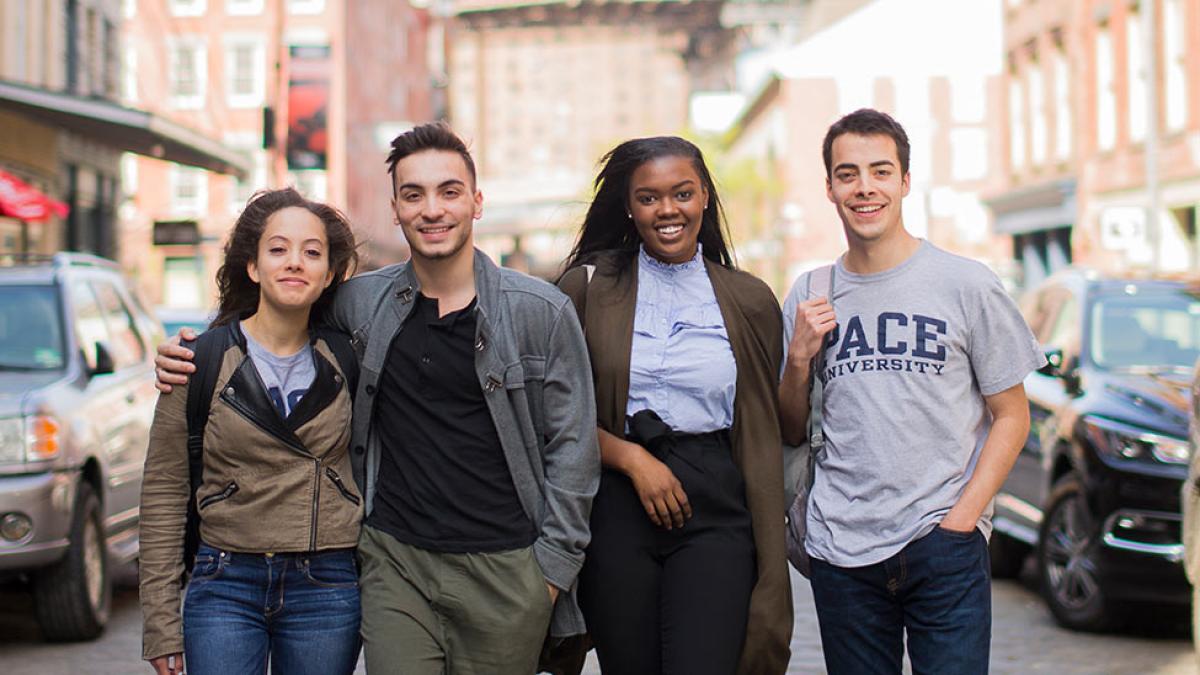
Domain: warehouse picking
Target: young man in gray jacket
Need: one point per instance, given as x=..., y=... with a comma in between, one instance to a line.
x=474, y=436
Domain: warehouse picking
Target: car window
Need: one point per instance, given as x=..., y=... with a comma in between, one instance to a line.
x=31, y=330
x=89, y=321
x=125, y=344
x=1146, y=329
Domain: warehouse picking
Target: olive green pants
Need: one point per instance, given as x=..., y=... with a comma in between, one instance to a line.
x=426, y=613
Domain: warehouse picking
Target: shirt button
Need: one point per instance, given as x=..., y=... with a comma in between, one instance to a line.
x=370, y=390
x=359, y=450
x=425, y=360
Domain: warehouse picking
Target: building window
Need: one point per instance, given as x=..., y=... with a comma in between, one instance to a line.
x=244, y=188
x=188, y=73
x=183, y=282
x=305, y=6
x=129, y=173
x=1175, y=66
x=1135, y=63
x=968, y=154
x=129, y=75
x=245, y=71
x=189, y=191
x=1016, y=120
x=187, y=7
x=243, y=7
x=1062, y=106
x=1038, y=130
x=1106, y=104
x=312, y=184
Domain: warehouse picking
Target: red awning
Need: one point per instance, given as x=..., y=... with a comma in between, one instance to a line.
x=24, y=202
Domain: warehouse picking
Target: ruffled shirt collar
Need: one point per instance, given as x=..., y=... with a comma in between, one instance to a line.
x=649, y=262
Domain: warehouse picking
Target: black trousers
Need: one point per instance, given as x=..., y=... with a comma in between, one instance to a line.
x=672, y=602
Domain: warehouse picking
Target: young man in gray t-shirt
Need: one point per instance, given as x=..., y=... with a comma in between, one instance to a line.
x=923, y=415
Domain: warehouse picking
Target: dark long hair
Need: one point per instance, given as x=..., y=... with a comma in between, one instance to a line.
x=607, y=225
x=238, y=293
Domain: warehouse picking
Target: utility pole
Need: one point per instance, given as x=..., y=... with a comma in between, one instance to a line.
x=1153, y=200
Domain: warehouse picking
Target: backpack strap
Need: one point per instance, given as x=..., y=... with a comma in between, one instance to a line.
x=209, y=351
x=820, y=284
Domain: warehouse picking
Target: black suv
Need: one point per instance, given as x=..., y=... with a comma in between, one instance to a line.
x=76, y=402
x=1095, y=491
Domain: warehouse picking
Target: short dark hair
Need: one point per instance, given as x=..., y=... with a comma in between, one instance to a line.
x=607, y=225
x=239, y=293
x=431, y=136
x=866, y=122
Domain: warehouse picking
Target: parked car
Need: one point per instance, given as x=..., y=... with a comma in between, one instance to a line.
x=76, y=401
x=1094, y=493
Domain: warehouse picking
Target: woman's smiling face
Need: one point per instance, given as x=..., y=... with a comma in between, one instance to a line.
x=666, y=201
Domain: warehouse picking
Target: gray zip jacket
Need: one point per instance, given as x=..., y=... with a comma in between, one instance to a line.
x=532, y=362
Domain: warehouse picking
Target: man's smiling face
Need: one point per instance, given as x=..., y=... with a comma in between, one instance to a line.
x=867, y=186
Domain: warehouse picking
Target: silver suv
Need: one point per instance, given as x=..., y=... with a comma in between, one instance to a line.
x=76, y=401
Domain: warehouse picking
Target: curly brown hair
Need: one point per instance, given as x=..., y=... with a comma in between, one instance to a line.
x=238, y=293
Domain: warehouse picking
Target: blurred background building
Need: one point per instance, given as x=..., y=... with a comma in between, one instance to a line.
x=310, y=92
x=63, y=128
x=138, y=128
x=1085, y=117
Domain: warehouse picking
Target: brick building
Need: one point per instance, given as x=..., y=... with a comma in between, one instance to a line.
x=950, y=107
x=541, y=90
x=309, y=91
x=1076, y=131
x=64, y=129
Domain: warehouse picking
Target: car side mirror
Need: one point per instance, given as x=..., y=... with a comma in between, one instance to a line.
x=104, y=360
x=1054, y=362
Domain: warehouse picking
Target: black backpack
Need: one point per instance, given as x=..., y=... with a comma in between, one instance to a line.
x=209, y=349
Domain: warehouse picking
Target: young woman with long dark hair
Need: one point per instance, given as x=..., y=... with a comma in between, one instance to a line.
x=274, y=578
x=686, y=568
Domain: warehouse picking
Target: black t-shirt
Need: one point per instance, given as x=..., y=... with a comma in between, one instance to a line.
x=444, y=484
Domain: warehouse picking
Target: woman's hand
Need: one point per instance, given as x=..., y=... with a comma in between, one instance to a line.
x=170, y=664
x=659, y=490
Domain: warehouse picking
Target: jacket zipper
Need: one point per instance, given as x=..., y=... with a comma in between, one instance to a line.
x=312, y=542
x=221, y=496
x=312, y=538
x=337, y=481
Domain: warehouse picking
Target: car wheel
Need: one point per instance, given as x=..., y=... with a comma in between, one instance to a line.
x=1007, y=556
x=72, y=596
x=1066, y=557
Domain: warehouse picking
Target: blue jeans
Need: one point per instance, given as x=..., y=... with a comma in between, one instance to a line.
x=300, y=611
x=938, y=589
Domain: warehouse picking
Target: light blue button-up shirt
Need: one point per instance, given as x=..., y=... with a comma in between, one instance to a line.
x=681, y=365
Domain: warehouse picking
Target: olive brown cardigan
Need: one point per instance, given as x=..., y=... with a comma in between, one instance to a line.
x=606, y=304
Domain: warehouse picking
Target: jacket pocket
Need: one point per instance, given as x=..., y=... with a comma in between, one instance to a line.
x=529, y=375
x=229, y=491
x=341, y=486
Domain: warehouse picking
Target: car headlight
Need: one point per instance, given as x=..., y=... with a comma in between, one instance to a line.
x=1130, y=443
x=12, y=440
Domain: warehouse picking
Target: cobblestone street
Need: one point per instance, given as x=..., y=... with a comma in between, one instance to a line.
x=1025, y=641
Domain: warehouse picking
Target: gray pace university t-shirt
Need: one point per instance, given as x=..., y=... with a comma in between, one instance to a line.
x=916, y=349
